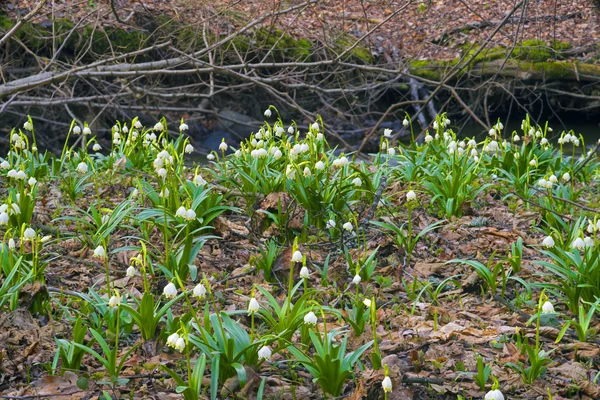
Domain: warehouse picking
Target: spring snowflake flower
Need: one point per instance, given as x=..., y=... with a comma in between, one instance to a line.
x=164, y=193
x=210, y=157
x=27, y=126
x=264, y=353
x=223, y=146
x=589, y=242
x=190, y=215
x=170, y=291
x=340, y=162
x=356, y=280
x=435, y=125
x=348, y=226
x=21, y=175
x=310, y=318
x=491, y=146
x=29, y=234
x=11, y=243
x=97, y=147
x=356, y=182
x=330, y=224
x=544, y=141
x=578, y=244
x=279, y=131
x=5, y=164
x=172, y=339
x=162, y=173
x=180, y=344
x=114, y=301
x=277, y=154
x=566, y=177
x=411, y=195
x=82, y=168
x=548, y=242
x=87, y=131
x=76, y=130
x=3, y=218
x=405, y=122
x=494, y=395
x=547, y=308
x=46, y=238
x=183, y=127
x=199, y=291
x=253, y=306
x=99, y=252
x=315, y=126
x=306, y=172
x=533, y=163
x=386, y=384
x=297, y=256
x=391, y=151
x=199, y=180
x=159, y=127
x=189, y=148
x=320, y=165
x=553, y=179
x=130, y=271
x=387, y=133
x=304, y=273
x=383, y=145
x=268, y=113
x=428, y=139
x=516, y=138
x=319, y=136
x=32, y=181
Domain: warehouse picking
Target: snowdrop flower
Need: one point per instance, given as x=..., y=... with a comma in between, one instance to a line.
x=340, y=162
x=264, y=353
x=533, y=163
x=99, y=252
x=170, y=291
x=5, y=165
x=304, y=273
x=130, y=271
x=566, y=177
x=3, y=218
x=356, y=280
x=189, y=148
x=411, y=196
x=547, y=308
x=237, y=154
x=492, y=146
x=162, y=173
x=279, y=131
x=76, y=130
x=548, y=242
x=474, y=153
x=391, y=151
x=492, y=132
x=199, y=291
x=516, y=138
x=297, y=256
x=306, y=172
x=356, y=182
x=114, y=301
x=29, y=234
x=32, y=181
x=575, y=142
x=172, y=339
x=253, y=306
x=223, y=146
x=183, y=127
x=87, y=130
x=330, y=224
x=544, y=141
x=348, y=226
x=210, y=157
x=589, y=242
x=320, y=165
x=310, y=318
x=542, y=182
x=82, y=168
x=268, y=113
x=387, y=133
x=553, y=179
x=578, y=244
x=190, y=215
x=386, y=384
x=180, y=212
x=494, y=395
x=21, y=175
x=159, y=127
x=405, y=122
x=428, y=138
x=277, y=154
x=315, y=126
x=97, y=147
x=291, y=130
x=27, y=125
x=180, y=344
x=199, y=180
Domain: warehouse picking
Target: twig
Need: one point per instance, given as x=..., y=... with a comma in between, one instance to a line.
x=18, y=25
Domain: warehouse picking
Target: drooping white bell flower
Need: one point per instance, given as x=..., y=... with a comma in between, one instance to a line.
x=356, y=280
x=183, y=127
x=3, y=218
x=223, y=146
x=310, y=318
x=297, y=256
x=304, y=272
x=180, y=344
x=319, y=165
x=253, y=306
x=547, y=308
x=386, y=384
x=87, y=131
x=357, y=182
x=114, y=301
x=405, y=122
x=162, y=173
x=199, y=291
x=99, y=252
x=172, y=339
x=264, y=353
x=32, y=181
x=387, y=133
x=548, y=242
x=268, y=113
x=82, y=168
x=170, y=291
x=159, y=127
x=76, y=130
x=330, y=224
x=315, y=126
x=29, y=234
x=411, y=195
x=348, y=226
x=578, y=244
x=494, y=395
x=189, y=149
x=130, y=271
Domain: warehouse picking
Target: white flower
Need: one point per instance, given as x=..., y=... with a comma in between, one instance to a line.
x=130, y=271
x=164, y=193
x=320, y=165
x=3, y=218
x=199, y=291
x=5, y=165
x=181, y=212
x=356, y=280
x=386, y=384
x=547, y=308
x=566, y=177
x=319, y=136
x=162, y=173
x=29, y=234
x=32, y=181
x=15, y=206
x=315, y=126
x=11, y=243
x=542, y=182
x=474, y=153
x=138, y=124
x=21, y=175
x=304, y=273
x=387, y=133
x=391, y=151
x=264, y=353
x=494, y=395
x=383, y=145
x=492, y=146
x=46, y=238
x=340, y=162
x=82, y=168
x=578, y=244
x=87, y=131
x=291, y=130
x=253, y=306
x=76, y=130
x=238, y=153
x=553, y=179
x=27, y=125
x=114, y=301
x=97, y=147
x=199, y=180
x=411, y=195
x=172, y=339
x=183, y=127
x=210, y=157
x=492, y=132
x=435, y=125
x=356, y=182
x=170, y=291
x=330, y=224
x=277, y=154
x=279, y=131
x=189, y=148
x=297, y=256
x=533, y=163
x=428, y=138
x=516, y=138
x=158, y=127
x=180, y=344
x=125, y=129
x=99, y=252
x=268, y=113
x=223, y=146
x=190, y=215
x=589, y=242
x=405, y=122
x=310, y=318
x=306, y=172
x=348, y=226
x=548, y=242
x=367, y=303
x=575, y=142
x=544, y=141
